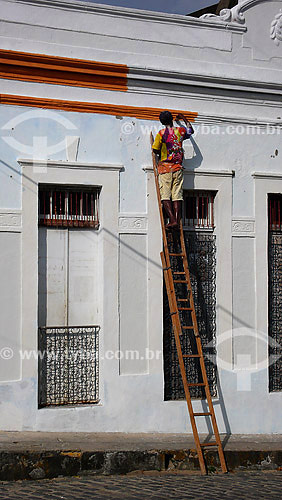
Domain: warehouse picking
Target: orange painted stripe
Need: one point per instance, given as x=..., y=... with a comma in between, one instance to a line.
x=91, y=107
x=41, y=68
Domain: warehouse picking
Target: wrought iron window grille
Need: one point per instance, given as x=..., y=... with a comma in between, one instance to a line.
x=61, y=206
x=274, y=290
x=68, y=359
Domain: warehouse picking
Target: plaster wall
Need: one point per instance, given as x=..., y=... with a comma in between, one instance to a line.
x=136, y=201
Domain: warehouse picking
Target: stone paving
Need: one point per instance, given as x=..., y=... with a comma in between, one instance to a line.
x=156, y=486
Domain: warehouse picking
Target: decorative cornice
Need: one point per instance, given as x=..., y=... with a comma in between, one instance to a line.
x=130, y=13
x=91, y=107
x=169, y=78
x=40, y=68
x=29, y=162
x=10, y=221
x=236, y=14
x=56, y=70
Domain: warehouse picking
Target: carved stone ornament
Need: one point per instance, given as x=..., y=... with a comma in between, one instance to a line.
x=132, y=224
x=276, y=29
x=243, y=227
x=236, y=14
x=10, y=220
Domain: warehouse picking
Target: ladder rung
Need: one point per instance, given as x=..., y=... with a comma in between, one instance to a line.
x=201, y=414
x=209, y=444
x=183, y=300
x=185, y=308
x=176, y=254
x=188, y=327
x=202, y=384
x=178, y=272
x=180, y=281
x=191, y=356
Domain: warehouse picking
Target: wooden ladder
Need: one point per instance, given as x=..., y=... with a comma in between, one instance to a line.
x=177, y=306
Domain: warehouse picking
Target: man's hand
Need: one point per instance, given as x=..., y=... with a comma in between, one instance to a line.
x=180, y=116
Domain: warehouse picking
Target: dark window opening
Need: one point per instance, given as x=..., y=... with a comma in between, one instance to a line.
x=199, y=209
x=68, y=206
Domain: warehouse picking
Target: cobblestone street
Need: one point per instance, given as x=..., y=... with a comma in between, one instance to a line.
x=239, y=486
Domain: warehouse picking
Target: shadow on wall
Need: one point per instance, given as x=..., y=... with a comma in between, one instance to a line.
x=197, y=159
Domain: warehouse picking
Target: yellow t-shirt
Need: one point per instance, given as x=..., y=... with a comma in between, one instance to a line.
x=169, y=143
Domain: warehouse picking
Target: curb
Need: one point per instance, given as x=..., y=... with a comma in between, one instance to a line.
x=47, y=465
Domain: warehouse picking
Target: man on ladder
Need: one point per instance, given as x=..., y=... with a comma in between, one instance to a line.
x=177, y=275
x=168, y=146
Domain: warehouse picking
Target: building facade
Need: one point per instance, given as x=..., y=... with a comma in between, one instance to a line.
x=85, y=340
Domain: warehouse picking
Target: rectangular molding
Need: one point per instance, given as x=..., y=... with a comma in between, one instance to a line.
x=133, y=223
x=243, y=227
x=10, y=221
x=68, y=164
x=210, y=173
x=143, y=113
x=199, y=172
x=267, y=175
x=41, y=68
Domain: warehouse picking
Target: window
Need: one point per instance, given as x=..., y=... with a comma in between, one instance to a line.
x=200, y=242
x=68, y=295
x=199, y=209
x=274, y=210
x=274, y=290
x=68, y=206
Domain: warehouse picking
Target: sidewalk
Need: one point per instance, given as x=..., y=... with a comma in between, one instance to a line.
x=36, y=455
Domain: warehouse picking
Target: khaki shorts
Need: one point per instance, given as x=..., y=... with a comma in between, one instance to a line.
x=171, y=186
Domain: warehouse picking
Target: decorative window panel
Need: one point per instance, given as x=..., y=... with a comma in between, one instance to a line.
x=68, y=365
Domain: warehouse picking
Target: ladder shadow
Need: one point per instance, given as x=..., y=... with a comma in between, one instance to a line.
x=219, y=401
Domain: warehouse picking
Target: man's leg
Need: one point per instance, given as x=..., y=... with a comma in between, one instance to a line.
x=177, y=211
x=177, y=194
x=165, y=181
x=167, y=205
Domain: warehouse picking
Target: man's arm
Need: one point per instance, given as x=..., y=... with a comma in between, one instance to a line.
x=156, y=147
x=187, y=123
